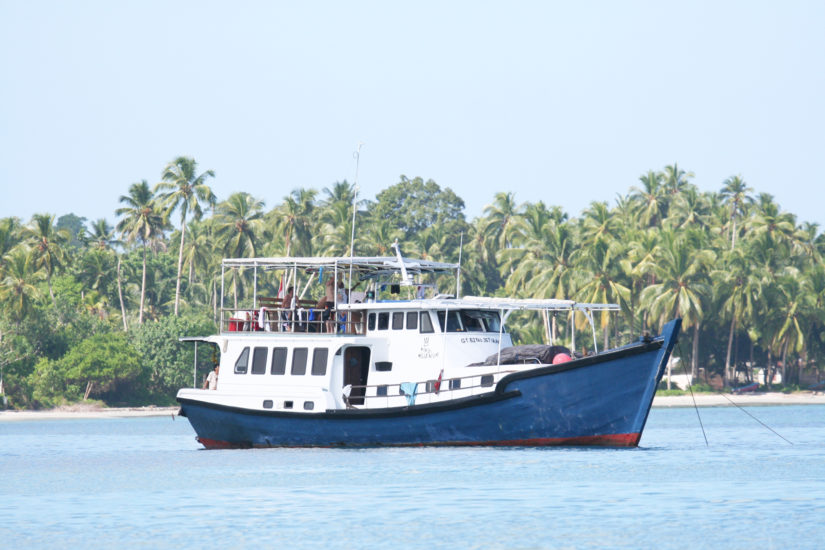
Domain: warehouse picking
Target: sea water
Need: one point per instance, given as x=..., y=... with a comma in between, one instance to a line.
x=146, y=483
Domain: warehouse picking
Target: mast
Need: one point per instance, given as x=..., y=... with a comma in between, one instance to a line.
x=357, y=156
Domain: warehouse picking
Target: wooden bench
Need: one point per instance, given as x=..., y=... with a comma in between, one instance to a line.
x=267, y=302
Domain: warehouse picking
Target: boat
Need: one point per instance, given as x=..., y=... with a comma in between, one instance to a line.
x=391, y=360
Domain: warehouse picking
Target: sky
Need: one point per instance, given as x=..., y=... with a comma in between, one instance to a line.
x=564, y=102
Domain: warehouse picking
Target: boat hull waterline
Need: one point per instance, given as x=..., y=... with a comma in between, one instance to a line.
x=599, y=400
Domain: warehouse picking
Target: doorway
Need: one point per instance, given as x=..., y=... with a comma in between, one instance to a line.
x=356, y=370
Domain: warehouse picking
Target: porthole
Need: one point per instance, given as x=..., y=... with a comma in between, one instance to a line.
x=309, y=405
x=267, y=403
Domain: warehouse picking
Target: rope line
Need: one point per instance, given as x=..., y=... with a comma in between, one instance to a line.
x=690, y=387
x=752, y=416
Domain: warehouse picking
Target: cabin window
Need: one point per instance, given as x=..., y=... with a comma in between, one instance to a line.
x=453, y=322
x=319, y=361
x=309, y=405
x=381, y=391
x=278, y=361
x=287, y=404
x=472, y=321
x=491, y=319
x=242, y=362
x=455, y=384
x=487, y=380
x=259, y=361
x=299, y=361
x=412, y=320
x=371, y=321
x=267, y=403
x=383, y=320
x=426, y=323
x=398, y=320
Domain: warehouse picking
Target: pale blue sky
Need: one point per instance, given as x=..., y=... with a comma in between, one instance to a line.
x=566, y=102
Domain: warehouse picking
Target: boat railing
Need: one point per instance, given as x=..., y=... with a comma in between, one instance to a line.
x=293, y=320
x=358, y=395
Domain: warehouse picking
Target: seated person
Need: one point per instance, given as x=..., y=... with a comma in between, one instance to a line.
x=321, y=313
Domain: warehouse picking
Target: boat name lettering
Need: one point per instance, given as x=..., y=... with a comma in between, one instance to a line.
x=479, y=340
x=424, y=352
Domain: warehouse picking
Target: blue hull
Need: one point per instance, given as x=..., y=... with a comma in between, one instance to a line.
x=598, y=400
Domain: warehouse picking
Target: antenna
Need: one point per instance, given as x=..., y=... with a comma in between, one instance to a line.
x=357, y=156
x=458, y=272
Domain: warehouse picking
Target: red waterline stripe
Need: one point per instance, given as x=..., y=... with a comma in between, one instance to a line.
x=607, y=440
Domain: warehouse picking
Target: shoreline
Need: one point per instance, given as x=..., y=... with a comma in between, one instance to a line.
x=85, y=412
x=659, y=402
x=741, y=399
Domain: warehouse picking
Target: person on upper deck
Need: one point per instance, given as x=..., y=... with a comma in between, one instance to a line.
x=286, y=304
x=343, y=298
x=287, y=301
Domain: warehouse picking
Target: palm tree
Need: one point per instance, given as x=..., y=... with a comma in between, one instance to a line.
x=9, y=238
x=681, y=267
x=143, y=221
x=690, y=209
x=335, y=231
x=650, y=198
x=739, y=288
x=501, y=217
x=19, y=286
x=185, y=189
x=676, y=180
x=796, y=299
x=735, y=195
x=379, y=236
x=294, y=218
x=102, y=236
x=640, y=265
x=479, y=273
x=340, y=192
x=599, y=279
x=598, y=224
x=198, y=252
x=239, y=224
x=778, y=228
x=95, y=269
x=47, y=244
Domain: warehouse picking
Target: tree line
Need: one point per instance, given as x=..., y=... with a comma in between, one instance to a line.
x=94, y=309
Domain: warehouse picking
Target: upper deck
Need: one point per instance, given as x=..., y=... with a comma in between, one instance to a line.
x=349, y=295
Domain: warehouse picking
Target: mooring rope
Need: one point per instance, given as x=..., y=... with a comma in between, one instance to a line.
x=690, y=387
x=749, y=414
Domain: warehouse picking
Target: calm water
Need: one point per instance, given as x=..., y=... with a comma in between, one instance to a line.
x=144, y=483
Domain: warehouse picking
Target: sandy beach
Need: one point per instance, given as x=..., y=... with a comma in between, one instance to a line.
x=702, y=400
x=80, y=411
x=743, y=399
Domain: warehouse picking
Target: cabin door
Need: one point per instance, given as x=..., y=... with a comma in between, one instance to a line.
x=356, y=370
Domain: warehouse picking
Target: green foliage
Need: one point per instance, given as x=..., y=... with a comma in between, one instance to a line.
x=106, y=366
x=75, y=227
x=168, y=361
x=745, y=276
x=414, y=205
x=664, y=392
